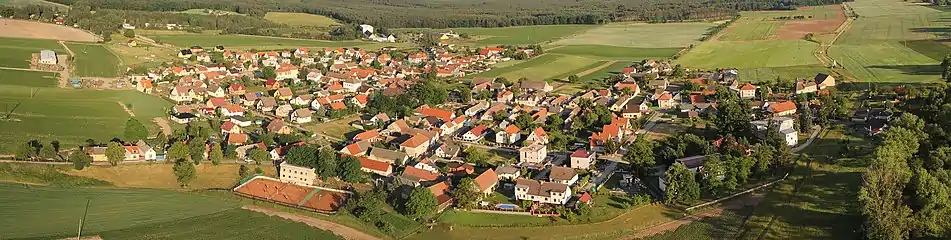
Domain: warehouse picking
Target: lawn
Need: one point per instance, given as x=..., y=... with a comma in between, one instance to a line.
x=339, y=128
x=300, y=19
x=780, y=53
x=38, y=211
x=160, y=175
x=641, y=35
x=231, y=224
x=817, y=201
x=616, y=53
x=70, y=116
x=247, y=42
x=44, y=175
x=475, y=219
x=521, y=35
x=757, y=75
x=18, y=51
x=887, y=61
x=747, y=29
x=142, y=54
x=94, y=60
x=720, y=227
x=545, y=67
x=607, y=72
x=28, y=78
x=896, y=28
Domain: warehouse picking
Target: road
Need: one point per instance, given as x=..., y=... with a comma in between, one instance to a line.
x=338, y=229
x=650, y=123
x=483, y=146
x=815, y=132
x=608, y=170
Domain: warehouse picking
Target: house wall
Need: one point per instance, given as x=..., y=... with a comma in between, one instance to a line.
x=298, y=175
x=582, y=163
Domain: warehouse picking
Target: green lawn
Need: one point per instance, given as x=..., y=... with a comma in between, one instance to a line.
x=817, y=201
x=641, y=35
x=896, y=28
x=18, y=51
x=94, y=60
x=547, y=67
x=474, y=219
x=300, y=19
x=521, y=35
x=607, y=72
x=721, y=227
x=44, y=174
x=28, y=78
x=780, y=53
x=247, y=42
x=616, y=53
x=231, y=224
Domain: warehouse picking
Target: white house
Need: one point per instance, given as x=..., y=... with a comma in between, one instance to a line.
x=298, y=175
x=543, y=192
x=533, y=154
x=564, y=175
x=474, y=134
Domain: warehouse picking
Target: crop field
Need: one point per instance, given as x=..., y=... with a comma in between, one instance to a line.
x=142, y=54
x=545, y=67
x=745, y=30
x=616, y=53
x=766, y=25
x=247, y=42
x=668, y=35
x=521, y=35
x=300, y=19
x=27, y=78
x=720, y=227
x=70, y=116
x=886, y=62
x=161, y=176
x=240, y=224
x=40, y=30
x=37, y=211
x=896, y=28
x=878, y=8
x=18, y=51
x=94, y=61
x=760, y=54
x=756, y=75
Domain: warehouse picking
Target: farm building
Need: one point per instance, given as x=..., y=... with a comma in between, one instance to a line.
x=48, y=57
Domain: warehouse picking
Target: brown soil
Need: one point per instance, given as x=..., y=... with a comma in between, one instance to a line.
x=341, y=230
x=797, y=29
x=595, y=69
x=162, y=123
x=32, y=29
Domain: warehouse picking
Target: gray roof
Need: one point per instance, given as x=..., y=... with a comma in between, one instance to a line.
x=47, y=54
x=561, y=173
x=507, y=170
x=386, y=154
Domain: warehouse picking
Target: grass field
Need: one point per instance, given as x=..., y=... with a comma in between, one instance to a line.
x=339, y=128
x=759, y=54
x=247, y=42
x=94, y=61
x=300, y=19
x=70, y=116
x=746, y=30
x=756, y=75
x=240, y=224
x=18, y=51
x=616, y=53
x=640, y=35
x=44, y=175
x=878, y=8
x=606, y=72
x=142, y=54
x=896, y=28
x=521, y=35
x=545, y=67
x=160, y=175
x=27, y=78
x=608, y=207
x=720, y=227
x=887, y=61
x=818, y=200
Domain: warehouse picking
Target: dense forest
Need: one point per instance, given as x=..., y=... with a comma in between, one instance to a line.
x=905, y=193
x=482, y=13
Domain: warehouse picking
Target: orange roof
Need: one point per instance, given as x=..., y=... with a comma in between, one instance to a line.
x=696, y=98
x=131, y=149
x=440, y=190
x=747, y=87
x=338, y=105
x=415, y=141
x=237, y=138
x=234, y=108
x=783, y=106
x=435, y=112
x=512, y=129
x=540, y=132
x=362, y=98
x=421, y=174
x=666, y=96
x=585, y=198
x=486, y=180
x=146, y=83
x=698, y=81
x=375, y=165
x=366, y=135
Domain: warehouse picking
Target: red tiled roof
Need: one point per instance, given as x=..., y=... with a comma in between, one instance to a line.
x=478, y=130
x=421, y=174
x=581, y=153
x=366, y=135
x=415, y=141
x=435, y=112
x=512, y=129
x=338, y=105
x=375, y=165
x=747, y=87
x=237, y=138
x=585, y=198
x=486, y=180
x=783, y=106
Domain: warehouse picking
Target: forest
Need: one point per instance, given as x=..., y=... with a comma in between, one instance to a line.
x=483, y=13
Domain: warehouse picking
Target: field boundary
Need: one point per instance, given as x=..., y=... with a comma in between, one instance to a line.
x=335, y=228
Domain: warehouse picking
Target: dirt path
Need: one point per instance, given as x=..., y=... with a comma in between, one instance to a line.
x=127, y=110
x=341, y=230
x=64, y=75
x=737, y=203
x=595, y=69
x=162, y=123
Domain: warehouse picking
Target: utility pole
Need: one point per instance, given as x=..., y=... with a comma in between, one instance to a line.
x=82, y=220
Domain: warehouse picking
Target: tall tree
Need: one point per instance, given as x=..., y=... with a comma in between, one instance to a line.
x=196, y=150
x=327, y=163
x=177, y=151
x=466, y=194
x=714, y=171
x=134, y=130
x=25, y=151
x=421, y=204
x=258, y=155
x=351, y=170
x=682, y=186
x=215, y=154
x=48, y=152
x=304, y=156
x=184, y=172
x=640, y=156
x=115, y=153
x=80, y=159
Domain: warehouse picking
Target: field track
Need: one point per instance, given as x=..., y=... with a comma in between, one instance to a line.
x=341, y=230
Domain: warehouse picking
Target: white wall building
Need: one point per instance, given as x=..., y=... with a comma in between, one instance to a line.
x=543, y=192
x=48, y=57
x=298, y=175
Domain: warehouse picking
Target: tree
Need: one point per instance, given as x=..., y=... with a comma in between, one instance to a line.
x=25, y=151
x=115, y=153
x=573, y=79
x=714, y=172
x=733, y=118
x=196, y=150
x=48, y=152
x=243, y=171
x=304, y=156
x=421, y=204
x=351, y=170
x=259, y=155
x=327, y=163
x=640, y=155
x=134, y=130
x=80, y=159
x=476, y=155
x=177, y=151
x=682, y=187
x=268, y=73
x=215, y=154
x=805, y=119
x=466, y=194
x=184, y=172
x=129, y=33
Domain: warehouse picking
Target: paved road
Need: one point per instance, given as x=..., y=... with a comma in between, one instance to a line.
x=608, y=170
x=815, y=132
x=650, y=123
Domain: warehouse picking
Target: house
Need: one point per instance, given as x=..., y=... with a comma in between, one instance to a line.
x=356, y=149
x=487, y=181
x=475, y=134
x=791, y=136
x=564, y=175
x=427, y=164
x=98, y=154
x=782, y=108
x=237, y=139
x=302, y=115
x=460, y=168
x=447, y=150
x=386, y=155
x=533, y=154
x=747, y=91
x=182, y=94
x=144, y=86
x=284, y=94
x=535, y=86
x=283, y=110
x=369, y=135
x=543, y=192
x=824, y=81
x=277, y=126
x=376, y=167
x=182, y=118
x=229, y=127
x=803, y=87
x=302, y=100
x=241, y=121
x=146, y=151
x=415, y=177
x=582, y=159
x=415, y=146
x=232, y=110
x=508, y=136
x=538, y=136
x=267, y=104
x=131, y=153
x=665, y=100
x=441, y=191
x=507, y=172
x=299, y=175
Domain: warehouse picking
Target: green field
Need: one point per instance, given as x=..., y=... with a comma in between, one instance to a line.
x=780, y=53
x=18, y=51
x=878, y=8
x=616, y=53
x=247, y=42
x=606, y=72
x=547, y=67
x=896, y=28
x=641, y=35
x=887, y=61
x=720, y=227
x=94, y=61
x=521, y=35
x=300, y=19
x=231, y=224
x=27, y=78
x=757, y=75
x=746, y=30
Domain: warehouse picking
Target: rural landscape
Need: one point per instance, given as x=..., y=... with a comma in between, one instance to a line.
x=490, y=119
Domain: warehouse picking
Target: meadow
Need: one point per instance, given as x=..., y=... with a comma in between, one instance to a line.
x=887, y=61
x=521, y=35
x=300, y=19
x=879, y=8
x=246, y=41
x=746, y=30
x=240, y=224
x=160, y=176
x=142, y=54
x=757, y=75
x=641, y=35
x=603, y=52
x=760, y=54
x=28, y=78
x=546, y=67
x=94, y=61
x=18, y=51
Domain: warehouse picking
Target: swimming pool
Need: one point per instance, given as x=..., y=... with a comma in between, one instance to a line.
x=505, y=206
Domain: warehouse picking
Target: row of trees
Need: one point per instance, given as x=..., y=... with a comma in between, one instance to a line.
x=326, y=162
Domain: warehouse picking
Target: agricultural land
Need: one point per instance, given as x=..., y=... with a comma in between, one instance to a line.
x=30, y=29
x=300, y=19
x=94, y=61
x=246, y=41
x=17, y=51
